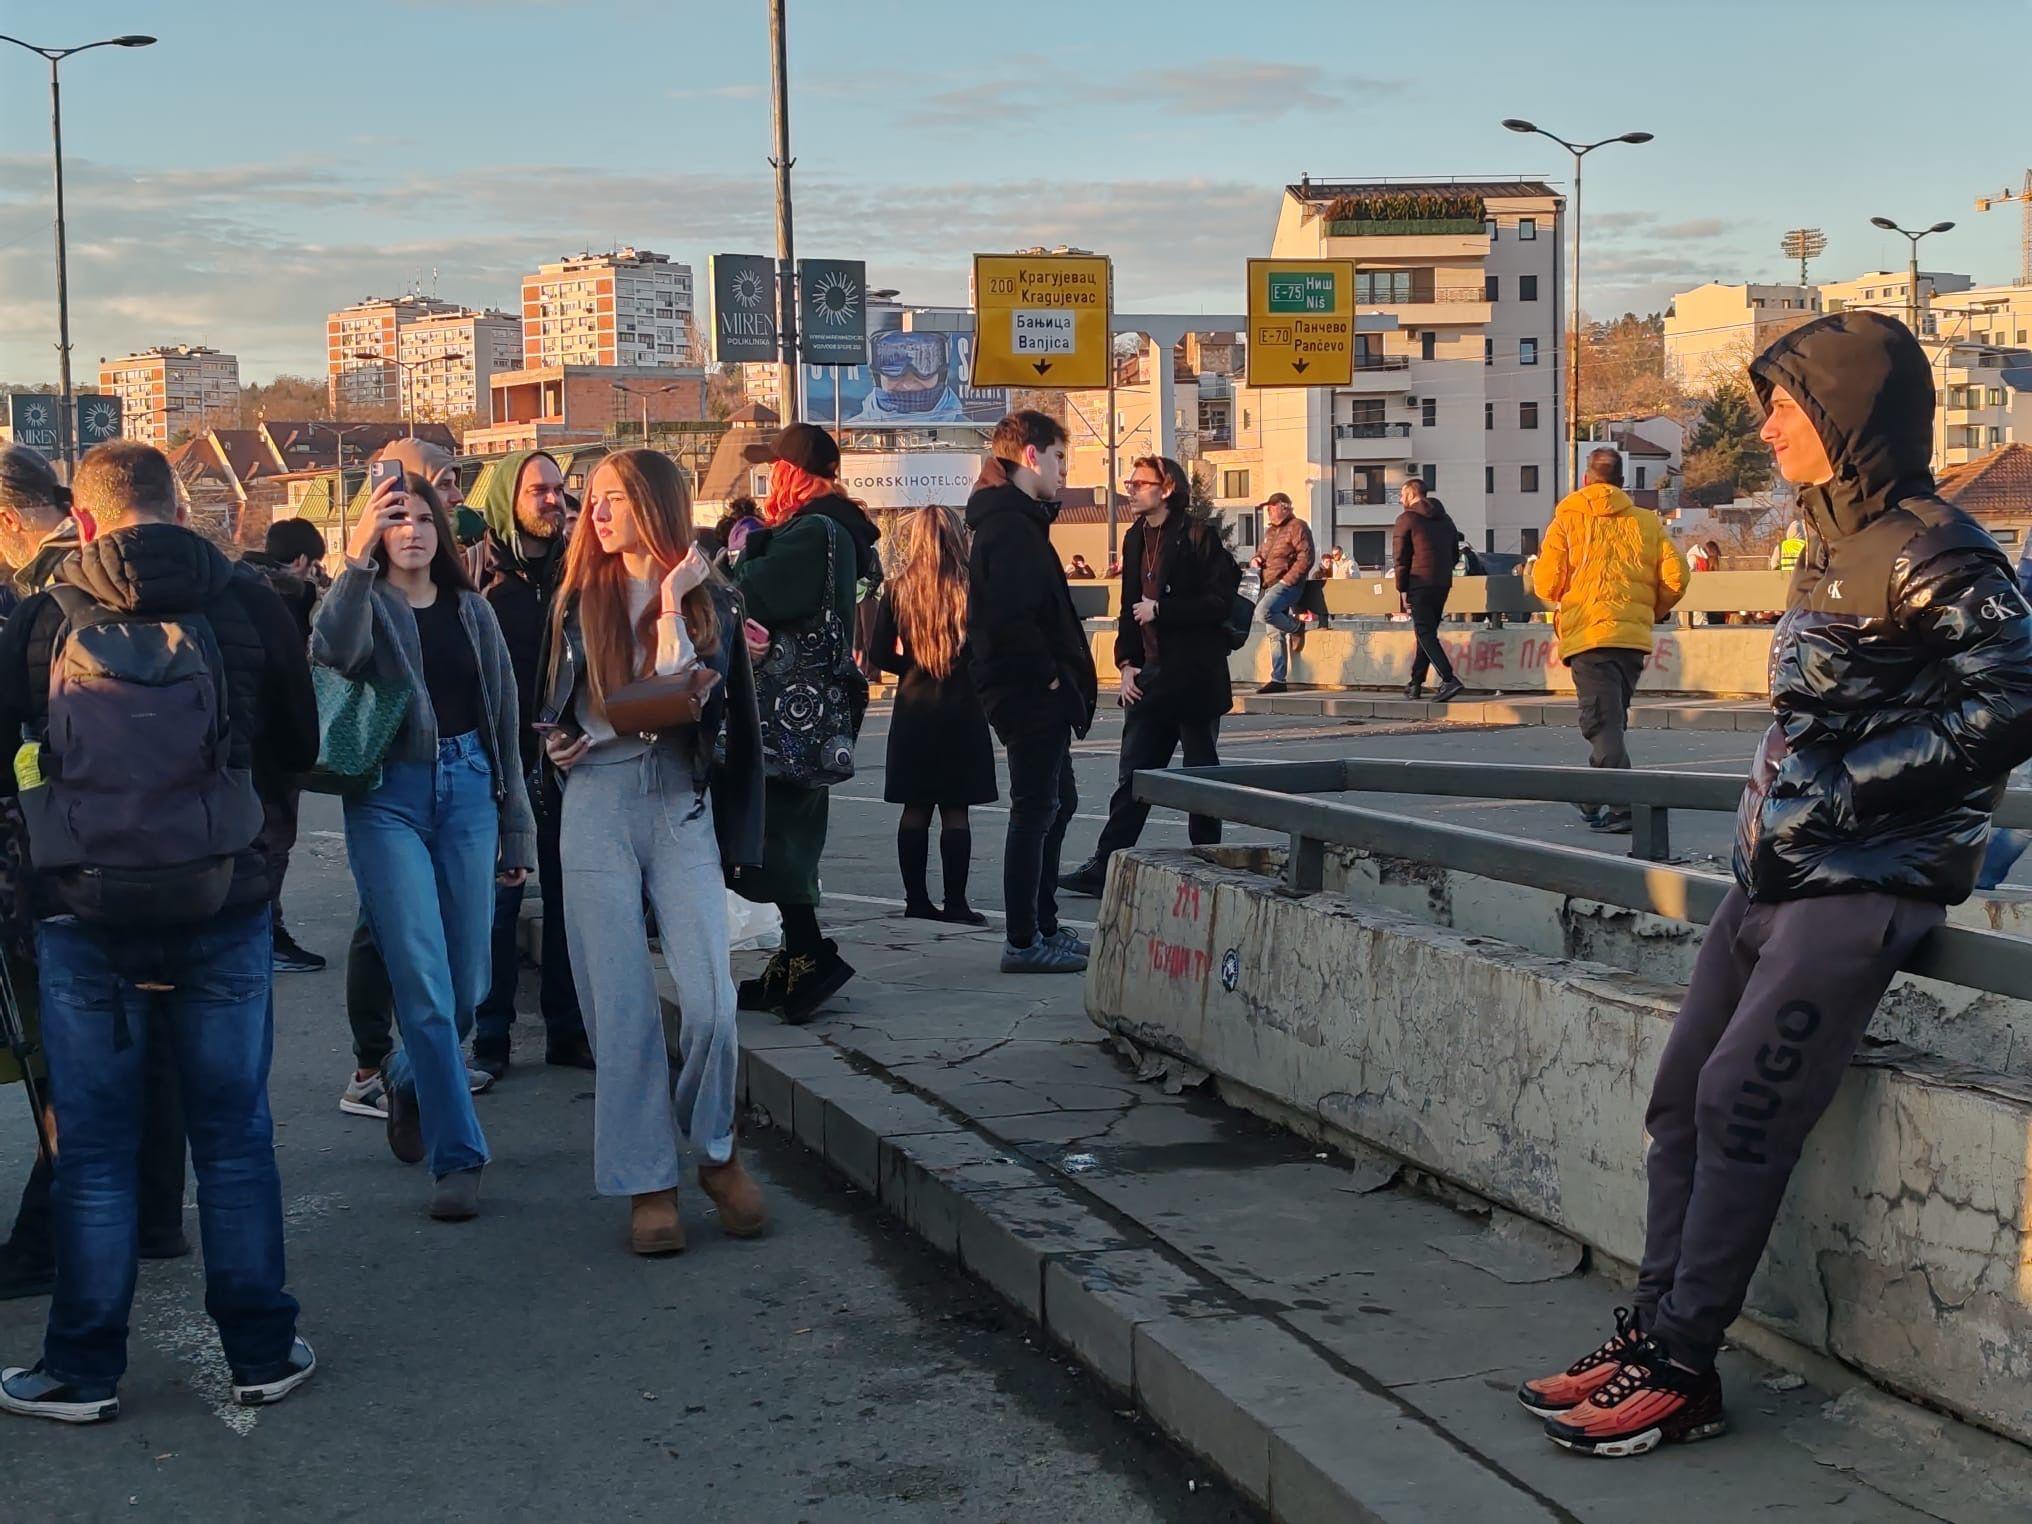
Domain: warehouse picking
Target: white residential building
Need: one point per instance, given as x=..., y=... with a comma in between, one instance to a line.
x=1465, y=393
x=173, y=391
x=1886, y=291
x=627, y=307
x=449, y=360
x=1712, y=332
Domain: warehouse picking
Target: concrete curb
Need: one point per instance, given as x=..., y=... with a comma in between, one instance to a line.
x=1299, y=1434
x=1752, y=715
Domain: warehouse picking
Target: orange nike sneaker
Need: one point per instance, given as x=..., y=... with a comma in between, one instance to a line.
x=1550, y=1396
x=1648, y=1403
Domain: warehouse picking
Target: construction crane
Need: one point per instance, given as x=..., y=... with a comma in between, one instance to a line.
x=2023, y=195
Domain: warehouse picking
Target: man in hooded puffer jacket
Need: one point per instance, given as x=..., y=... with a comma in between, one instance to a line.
x=1901, y=677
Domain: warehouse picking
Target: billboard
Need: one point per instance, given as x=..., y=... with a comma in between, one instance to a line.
x=908, y=478
x=744, y=308
x=911, y=379
x=832, y=311
x=34, y=418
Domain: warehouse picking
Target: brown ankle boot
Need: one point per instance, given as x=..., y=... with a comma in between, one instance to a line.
x=737, y=1196
x=653, y=1227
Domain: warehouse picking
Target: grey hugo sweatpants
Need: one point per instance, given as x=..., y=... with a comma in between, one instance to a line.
x=628, y=825
x=1778, y=1003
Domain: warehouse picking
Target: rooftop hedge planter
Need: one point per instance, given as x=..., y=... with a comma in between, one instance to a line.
x=1404, y=213
x=1400, y=227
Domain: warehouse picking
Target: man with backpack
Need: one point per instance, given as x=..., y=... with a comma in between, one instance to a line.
x=1171, y=649
x=149, y=683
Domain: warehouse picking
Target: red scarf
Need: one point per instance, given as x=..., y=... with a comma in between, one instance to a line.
x=790, y=488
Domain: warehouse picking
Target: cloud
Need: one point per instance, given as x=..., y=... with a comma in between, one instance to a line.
x=721, y=93
x=1255, y=90
x=993, y=103
x=1699, y=227
x=1615, y=222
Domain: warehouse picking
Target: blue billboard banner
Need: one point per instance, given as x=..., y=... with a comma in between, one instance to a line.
x=34, y=417
x=911, y=379
x=98, y=420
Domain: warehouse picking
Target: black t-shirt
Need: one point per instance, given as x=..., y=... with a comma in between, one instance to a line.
x=451, y=672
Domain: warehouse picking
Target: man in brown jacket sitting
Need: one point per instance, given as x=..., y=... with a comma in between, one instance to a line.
x=1284, y=558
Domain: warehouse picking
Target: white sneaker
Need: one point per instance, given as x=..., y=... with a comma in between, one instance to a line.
x=365, y=1097
x=478, y=1080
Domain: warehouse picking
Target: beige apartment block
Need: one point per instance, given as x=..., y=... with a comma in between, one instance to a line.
x=362, y=344
x=449, y=360
x=173, y=391
x=1713, y=332
x=628, y=307
x=1887, y=291
x=1465, y=393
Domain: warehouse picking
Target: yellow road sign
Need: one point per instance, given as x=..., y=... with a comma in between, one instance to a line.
x=1301, y=322
x=1041, y=320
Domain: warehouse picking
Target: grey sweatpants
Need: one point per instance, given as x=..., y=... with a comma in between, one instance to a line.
x=1778, y=1002
x=627, y=826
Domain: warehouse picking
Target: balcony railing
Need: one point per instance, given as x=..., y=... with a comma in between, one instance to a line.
x=1372, y=431
x=1382, y=362
x=1358, y=497
x=1434, y=296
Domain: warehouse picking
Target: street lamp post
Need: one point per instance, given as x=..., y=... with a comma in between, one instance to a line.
x=643, y=397
x=1579, y=152
x=339, y=503
x=66, y=413
x=402, y=392
x=1912, y=264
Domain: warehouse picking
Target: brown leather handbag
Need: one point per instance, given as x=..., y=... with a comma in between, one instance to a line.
x=653, y=704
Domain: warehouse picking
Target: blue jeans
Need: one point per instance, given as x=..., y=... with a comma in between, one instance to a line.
x=98, y=1024
x=1274, y=609
x=423, y=847
x=2001, y=855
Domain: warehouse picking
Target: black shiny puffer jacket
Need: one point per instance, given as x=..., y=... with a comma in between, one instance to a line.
x=1902, y=671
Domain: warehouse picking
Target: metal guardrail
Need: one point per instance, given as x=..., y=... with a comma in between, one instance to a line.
x=1278, y=796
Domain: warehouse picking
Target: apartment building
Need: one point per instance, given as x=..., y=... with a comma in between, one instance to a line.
x=1713, y=331
x=448, y=362
x=541, y=406
x=362, y=344
x=1464, y=393
x=173, y=391
x=628, y=307
x=1887, y=291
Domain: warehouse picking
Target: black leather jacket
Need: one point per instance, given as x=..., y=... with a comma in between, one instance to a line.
x=731, y=766
x=1901, y=673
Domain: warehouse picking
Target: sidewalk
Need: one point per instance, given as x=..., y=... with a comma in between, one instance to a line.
x=1652, y=713
x=1336, y=1343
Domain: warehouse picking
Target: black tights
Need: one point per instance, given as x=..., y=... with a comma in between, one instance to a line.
x=913, y=850
x=801, y=938
x=951, y=817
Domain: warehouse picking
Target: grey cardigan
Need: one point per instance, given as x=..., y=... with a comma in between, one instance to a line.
x=363, y=624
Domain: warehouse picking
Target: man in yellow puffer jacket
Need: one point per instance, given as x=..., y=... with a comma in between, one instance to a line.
x=1612, y=573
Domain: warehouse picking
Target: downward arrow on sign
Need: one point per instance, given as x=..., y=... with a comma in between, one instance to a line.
x=1301, y=366
x=1041, y=366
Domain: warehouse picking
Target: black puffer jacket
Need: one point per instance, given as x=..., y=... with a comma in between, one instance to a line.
x=1902, y=671
x=1022, y=630
x=1196, y=581
x=1426, y=545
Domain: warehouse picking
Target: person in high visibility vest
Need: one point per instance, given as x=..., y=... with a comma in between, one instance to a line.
x=1791, y=550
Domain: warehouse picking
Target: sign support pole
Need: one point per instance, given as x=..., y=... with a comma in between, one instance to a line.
x=1114, y=469
x=786, y=265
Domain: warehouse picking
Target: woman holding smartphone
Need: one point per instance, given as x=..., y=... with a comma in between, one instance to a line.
x=669, y=809
x=449, y=815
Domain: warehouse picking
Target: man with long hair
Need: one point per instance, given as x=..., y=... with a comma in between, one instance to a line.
x=1171, y=648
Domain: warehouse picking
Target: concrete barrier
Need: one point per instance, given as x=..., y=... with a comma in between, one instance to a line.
x=1721, y=661
x=1523, y=1078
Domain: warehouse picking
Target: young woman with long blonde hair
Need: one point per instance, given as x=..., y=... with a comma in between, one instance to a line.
x=940, y=755
x=671, y=813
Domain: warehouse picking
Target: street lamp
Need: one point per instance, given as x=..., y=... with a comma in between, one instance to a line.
x=408, y=419
x=1912, y=265
x=66, y=440
x=1579, y=152
x=339, y=502
x=626, y=390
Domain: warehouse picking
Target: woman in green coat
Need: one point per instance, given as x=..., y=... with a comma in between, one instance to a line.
x=782, y=573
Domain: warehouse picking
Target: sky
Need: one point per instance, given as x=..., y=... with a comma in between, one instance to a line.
x=266, y=163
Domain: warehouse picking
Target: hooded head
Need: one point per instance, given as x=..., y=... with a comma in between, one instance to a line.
x=1864, y=383
x=509, y=496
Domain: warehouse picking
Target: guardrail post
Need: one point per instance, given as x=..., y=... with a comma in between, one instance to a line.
x=1650, y=832
x=1305, y=865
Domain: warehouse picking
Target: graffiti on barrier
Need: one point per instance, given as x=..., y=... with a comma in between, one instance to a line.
x=1175, y=960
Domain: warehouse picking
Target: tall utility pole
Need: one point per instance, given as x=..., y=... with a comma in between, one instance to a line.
x=1912, y=264
x=1579, y=152
x=66, y=417
x=786, y=263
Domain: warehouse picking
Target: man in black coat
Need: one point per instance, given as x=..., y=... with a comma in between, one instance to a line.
x=1171, y=649
x=1028, y=654
x=1427, y=544
x=1901, y=677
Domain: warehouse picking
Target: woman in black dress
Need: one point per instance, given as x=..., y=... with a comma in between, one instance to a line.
x=939, y=751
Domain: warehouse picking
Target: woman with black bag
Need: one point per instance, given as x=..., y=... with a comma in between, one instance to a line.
x=798, y=576
x=650, y=716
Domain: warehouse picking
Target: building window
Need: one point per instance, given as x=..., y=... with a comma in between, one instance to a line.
x=1527, y=228
x=1489, y=480
x=1996, y=435
x=1527, y=351
x=1529, y=543
x=1643, y=475
x=1488, y=351
x=1527, y=288
x=1428, y=412
x=1430, y=476
x=1490, y=288
x=1489, y=228
x=1995, y=396
x=1234, y=484
x=1527, y=478
x=1527, y=415
x=1488, y=415
x=1428, y=345
x=1377, y=287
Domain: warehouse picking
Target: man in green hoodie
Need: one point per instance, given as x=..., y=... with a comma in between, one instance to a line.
x=516, y=566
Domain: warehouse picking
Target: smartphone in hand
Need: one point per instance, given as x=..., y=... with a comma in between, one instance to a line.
x=383, y=471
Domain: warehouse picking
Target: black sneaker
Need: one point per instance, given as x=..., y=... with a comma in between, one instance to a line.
x=491, y=1059
x=1089, y=879
x=576, y=1053
x=405, y=1126
x=765, y=992
x=25, y=1275
x=34, y=1393
x=812, y=982
x=1414, y=690
x=1609, y=823
x=1448, y=691
x=291, y=959
x=272, y=1383
x=1273, y=686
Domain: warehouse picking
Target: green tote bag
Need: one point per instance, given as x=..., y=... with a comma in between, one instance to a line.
x=357, y=721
